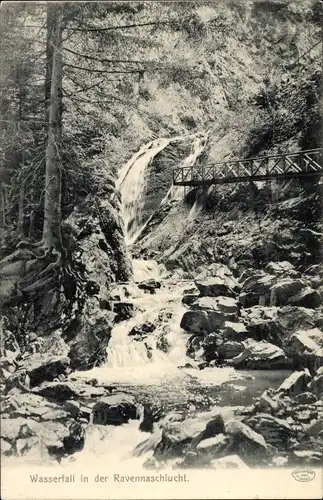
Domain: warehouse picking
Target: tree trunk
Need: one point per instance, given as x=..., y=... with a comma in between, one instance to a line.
x=20, y=221
x=52, y=206
x=51, y=23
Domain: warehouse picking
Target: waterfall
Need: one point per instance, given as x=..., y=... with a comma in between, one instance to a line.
x=133, y=179
x=177, y=192
x=132, y=182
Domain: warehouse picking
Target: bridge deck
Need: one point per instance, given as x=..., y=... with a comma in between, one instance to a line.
x=284, y=166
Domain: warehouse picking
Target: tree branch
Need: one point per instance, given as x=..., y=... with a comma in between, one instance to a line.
x=102, y=70
x=127, y=26
x=93, y=58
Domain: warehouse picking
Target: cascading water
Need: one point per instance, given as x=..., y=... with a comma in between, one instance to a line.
x=132, y=181
x=177, y=192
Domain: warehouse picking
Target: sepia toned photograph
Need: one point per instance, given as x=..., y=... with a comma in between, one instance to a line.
x=161, y=236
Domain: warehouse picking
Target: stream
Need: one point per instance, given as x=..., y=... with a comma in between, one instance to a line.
x=166, y=377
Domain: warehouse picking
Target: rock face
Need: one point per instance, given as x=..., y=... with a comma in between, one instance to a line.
x=261, y=356
x=202, y=322
x=90, y=336
x=40, y=368
x=296, y=383
x=94, y=230
x=217, y=286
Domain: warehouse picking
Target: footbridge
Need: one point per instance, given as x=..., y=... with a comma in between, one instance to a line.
x=301, y=164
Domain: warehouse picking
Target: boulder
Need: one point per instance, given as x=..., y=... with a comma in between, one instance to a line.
x=123, y=310
x=149, y=285
x=316, y=385
x=306, y=398
x=257, y=287
x=292, y=318
x=304, y=347
x=227, y=305
x=234, y=331
x=182, y=435
x=296, y=383
x=262, y=324
x=142, y=329
x=267, y=403
x=230, y=349
x=306, y=298
x=41, y=367
x=275, y=431
x=308, y=457
x=260, y=356
x=215, y=287
x=245, y=441
x=63, y=391
x=88, y=338
x=228, y=462
x=117, y=409
x=214, y=446
x=189, y=298
x=282, y=269
x=202, y=322
x=5, y=447
x=281, y=292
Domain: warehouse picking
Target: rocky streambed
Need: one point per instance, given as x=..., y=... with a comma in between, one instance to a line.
x=220, y=372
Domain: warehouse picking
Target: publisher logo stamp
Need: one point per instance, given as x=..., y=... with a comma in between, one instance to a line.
x=303, y=475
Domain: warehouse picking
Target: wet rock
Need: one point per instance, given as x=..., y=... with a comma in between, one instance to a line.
x=257, y=288
x=215, y=287
x=215, y=445
x=276, y=431
x=296, y=383
x=305, y=398
x=114, y=410
x=26, y=405
x=88, y=338
x=305, y=350
x=149, y=285
x=202, y=322
x=262, y=324
x=316, y=385
x=245, y=441
x=293, y=318
x=54, y=344
x=267, y=403
x=178, y=437
x=283, y=269
x=230, y=349
x=63, y=391
x=74, y=441
x=234, y=331
x=43, y=367
x=151, y=415
x=228, y=305
x=5, y=447
x=9, y=346
x=189, y=298
x=260, y=356
x=123, y=310
x=142, y=329
x=316, y=427
x=72, y=407
x=229, y=462
x=195, y=348
x=281, y=292
x=308, y=457
x=306, y=298
x=12, y=428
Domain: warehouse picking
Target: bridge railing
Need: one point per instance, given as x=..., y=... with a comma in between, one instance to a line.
x=301, y=163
